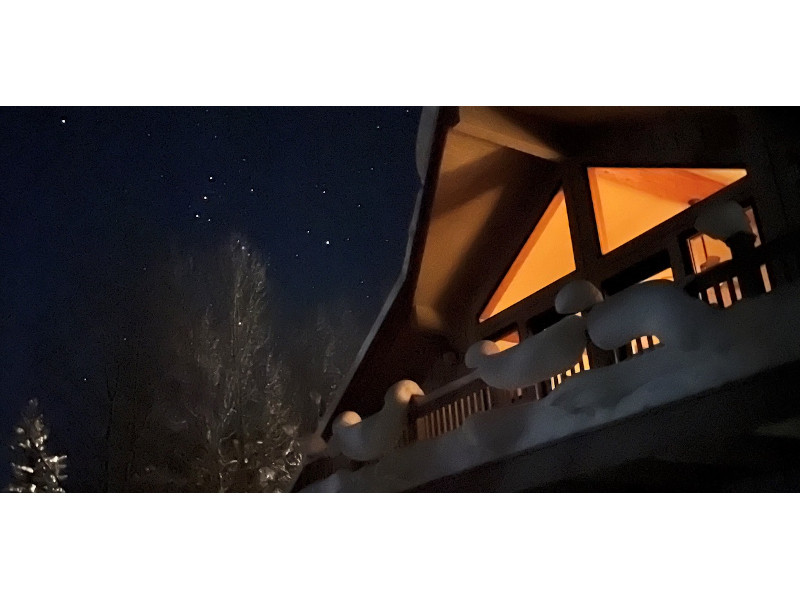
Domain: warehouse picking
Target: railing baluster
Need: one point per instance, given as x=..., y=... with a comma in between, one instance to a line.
x=765, y=277
x=723, y=294
x=737, y=288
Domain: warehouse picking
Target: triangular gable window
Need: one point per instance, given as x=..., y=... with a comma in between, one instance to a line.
x=546, y=257
x=630, y=201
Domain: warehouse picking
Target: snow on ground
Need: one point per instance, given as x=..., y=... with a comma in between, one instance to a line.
x=702, y=348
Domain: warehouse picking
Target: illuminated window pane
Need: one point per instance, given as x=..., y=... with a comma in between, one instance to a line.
x=508, y=340
x=545, y=258
x=631, y=201
x=666, y=275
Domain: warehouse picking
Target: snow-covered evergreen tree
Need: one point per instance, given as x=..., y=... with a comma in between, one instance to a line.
x=34, y=469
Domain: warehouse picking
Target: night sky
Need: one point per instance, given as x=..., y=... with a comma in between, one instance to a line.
x=325, y=194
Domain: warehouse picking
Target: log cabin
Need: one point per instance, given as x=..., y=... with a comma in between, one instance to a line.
x=516, y=202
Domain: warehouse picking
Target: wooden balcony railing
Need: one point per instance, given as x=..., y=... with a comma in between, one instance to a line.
x=755, y=272
x=448, y=407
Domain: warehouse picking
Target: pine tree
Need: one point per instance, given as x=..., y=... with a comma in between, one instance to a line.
x=34, y=470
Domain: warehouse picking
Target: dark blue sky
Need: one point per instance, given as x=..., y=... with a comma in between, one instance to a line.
x=325, y=193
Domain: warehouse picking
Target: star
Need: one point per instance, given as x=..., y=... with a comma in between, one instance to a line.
x=63, y=121
x=210, y=178
x=197, y=216
x=327, y=242
x=205, y=197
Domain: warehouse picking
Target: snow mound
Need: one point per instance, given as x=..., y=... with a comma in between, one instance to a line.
x=577, y=296
x=722, y=221
x=378, y=434
x=654, y=308
x=535, y=359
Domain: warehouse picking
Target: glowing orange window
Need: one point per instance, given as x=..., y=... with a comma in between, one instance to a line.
x=546, y=257
x=507, y=340
x=630, y=201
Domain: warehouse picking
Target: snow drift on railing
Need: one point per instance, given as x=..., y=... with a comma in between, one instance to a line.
x=722, y=221
x=537, y=358
x=374, y=436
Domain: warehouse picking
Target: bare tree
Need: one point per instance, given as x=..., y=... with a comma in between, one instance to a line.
x=224, y=411
x=323, y=352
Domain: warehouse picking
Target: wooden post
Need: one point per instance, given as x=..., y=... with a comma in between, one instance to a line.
x=749, y=271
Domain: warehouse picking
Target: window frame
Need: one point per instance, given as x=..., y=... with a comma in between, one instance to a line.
x=590, y=263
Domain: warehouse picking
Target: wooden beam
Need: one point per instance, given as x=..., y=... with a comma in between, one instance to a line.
x=494, y=125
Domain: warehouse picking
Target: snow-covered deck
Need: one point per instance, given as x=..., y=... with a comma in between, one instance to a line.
x=701, y=429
